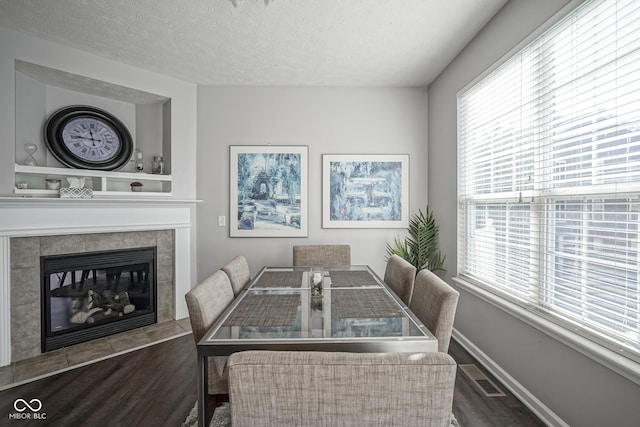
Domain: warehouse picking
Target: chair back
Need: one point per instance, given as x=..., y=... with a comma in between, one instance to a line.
x=399, y=275
x=435, y=303
x=321, y=255
x=239, y=274
x=286, y=388
x=207, y=300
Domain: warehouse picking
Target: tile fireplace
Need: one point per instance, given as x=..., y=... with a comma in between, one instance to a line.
x=35, y=228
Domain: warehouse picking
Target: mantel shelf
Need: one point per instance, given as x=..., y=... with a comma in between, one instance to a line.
x=65, y=172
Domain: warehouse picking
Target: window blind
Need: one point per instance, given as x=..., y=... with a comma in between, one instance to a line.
x=549, y=175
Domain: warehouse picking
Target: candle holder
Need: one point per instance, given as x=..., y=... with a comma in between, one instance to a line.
x=52, y=184
x=315, y=282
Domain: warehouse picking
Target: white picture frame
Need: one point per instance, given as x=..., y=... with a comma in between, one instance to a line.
x=268, y=191
x=365, y=190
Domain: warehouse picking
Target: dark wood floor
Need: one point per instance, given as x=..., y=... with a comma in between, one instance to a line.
x=156, y=386
x=473, y=409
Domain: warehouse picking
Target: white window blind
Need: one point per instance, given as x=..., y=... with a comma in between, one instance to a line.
x=549, y=175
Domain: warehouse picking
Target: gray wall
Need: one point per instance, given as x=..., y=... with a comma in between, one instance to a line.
x=580, y=391
x=329, y=121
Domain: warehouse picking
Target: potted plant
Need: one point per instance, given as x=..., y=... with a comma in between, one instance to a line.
x=136, y=186
x=420, y=247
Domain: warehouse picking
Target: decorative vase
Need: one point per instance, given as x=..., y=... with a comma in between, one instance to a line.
x=157, y=165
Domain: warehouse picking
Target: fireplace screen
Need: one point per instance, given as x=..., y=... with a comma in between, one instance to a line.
x=91, y=295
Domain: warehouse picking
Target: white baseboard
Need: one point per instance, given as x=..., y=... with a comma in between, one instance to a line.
x=545, y=414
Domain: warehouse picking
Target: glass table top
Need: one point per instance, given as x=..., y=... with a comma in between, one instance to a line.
x=286, y=303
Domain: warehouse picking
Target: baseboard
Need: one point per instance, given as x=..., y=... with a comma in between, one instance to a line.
x=545, y=414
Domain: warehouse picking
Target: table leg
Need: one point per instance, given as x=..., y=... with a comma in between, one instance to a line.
x=203, y=380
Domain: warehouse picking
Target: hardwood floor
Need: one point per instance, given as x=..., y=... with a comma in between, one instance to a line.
x=156, y=386
x=473, y=409
x=153, y=386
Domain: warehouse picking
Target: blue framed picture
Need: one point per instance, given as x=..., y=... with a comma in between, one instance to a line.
x=365, y=190
x=268, y=191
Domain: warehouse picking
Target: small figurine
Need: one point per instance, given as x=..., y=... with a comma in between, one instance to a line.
x=75, y=182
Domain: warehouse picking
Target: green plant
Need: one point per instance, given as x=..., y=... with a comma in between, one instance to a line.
x=420, y=247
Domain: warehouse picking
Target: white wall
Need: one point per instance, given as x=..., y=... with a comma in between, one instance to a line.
x=329, y=121
x=579, y=390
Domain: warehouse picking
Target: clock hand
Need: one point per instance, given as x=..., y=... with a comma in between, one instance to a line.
x=92, y=140
x=81, y=137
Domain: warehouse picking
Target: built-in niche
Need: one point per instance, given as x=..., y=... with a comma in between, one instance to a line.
x=40, y=91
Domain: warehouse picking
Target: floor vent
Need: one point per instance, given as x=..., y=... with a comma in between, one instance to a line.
x=480, y=380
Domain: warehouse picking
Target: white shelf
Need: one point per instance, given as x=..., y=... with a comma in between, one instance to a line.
x=103, y=183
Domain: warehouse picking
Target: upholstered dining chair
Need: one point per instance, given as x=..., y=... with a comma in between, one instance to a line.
x=286, y=388
x=435, y=303
x=399, y=275
x=239, y=274
x=205, y=302
x=321, y=255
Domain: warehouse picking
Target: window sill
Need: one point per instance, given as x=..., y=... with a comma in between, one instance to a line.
x=602, y=355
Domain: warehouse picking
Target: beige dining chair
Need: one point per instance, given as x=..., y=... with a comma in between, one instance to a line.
x=286, y=388
x=435, y=303
x=205, y=302
x=400, y=275
x=321, y=255
x=239, y=274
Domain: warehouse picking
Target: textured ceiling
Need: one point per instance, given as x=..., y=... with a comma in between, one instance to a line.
x=288, y=42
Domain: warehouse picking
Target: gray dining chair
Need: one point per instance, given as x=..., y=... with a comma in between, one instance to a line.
x=205, y=302
x=321, y=255
x=286, y=388
x=435, y=303
x=400, y=275
x=239, y=274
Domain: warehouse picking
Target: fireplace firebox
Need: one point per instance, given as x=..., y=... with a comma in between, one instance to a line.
x=91, y=295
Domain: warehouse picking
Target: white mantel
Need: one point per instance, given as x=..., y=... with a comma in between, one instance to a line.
x=24, y=217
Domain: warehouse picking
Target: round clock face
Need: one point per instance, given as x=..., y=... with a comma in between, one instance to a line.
x=88, y=138
x=91, y=139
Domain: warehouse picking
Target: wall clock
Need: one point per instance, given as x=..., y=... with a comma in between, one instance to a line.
x=86, y=137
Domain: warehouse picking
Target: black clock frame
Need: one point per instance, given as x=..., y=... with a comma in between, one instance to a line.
x=56, y=123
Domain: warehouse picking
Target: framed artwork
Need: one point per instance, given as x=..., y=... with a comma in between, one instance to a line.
x=365, y=191
x=268, y=193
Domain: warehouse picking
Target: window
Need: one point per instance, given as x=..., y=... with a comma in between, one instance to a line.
x=549, y=176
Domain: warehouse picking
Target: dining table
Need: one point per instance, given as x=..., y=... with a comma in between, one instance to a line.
x=333, y=308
